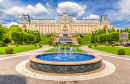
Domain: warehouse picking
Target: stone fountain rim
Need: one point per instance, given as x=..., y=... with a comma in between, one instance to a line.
x=95, y=60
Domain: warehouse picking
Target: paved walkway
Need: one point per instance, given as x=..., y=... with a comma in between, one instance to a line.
x=8, y=74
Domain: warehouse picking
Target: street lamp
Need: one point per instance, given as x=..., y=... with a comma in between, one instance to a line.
x=36, y=37
x=94, y=39
x=44, y=38
x=86, y=39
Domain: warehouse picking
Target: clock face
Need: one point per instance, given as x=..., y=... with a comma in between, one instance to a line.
x=32, y=27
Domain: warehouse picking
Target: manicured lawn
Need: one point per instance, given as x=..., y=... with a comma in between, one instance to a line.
x=55, y=49
x=18, y=49
x=113, y=50
x=86, y=40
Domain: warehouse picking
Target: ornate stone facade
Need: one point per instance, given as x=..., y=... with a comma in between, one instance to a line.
x=65, y=24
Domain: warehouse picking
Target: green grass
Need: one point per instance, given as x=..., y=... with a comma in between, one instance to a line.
x=86, y=40
x=18, y=49
x=113, y=50
x=55, y=49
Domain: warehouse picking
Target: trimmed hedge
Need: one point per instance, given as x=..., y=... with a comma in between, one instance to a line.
x=113, y=45
x=9, y=50
x=17, y=45
x=121, y=52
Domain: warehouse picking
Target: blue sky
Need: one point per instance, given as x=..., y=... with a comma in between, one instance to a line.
x=118, y=11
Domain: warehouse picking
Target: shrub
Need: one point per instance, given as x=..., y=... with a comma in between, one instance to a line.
x=106, y=44
x=7, y=40
x=35, y=45
x=32, y=42
x=121, y=52
x=113, y=45
x=50, y=42
x=118, y=44
x=4, y=44
x=90, y=46
x=40, y=45
x=17, y=45
x=9, y=50
x=24, y=44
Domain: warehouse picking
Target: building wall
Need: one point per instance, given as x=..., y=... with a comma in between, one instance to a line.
x=50, y=26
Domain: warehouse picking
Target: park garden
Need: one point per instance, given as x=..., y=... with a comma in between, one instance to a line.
x=15, y=40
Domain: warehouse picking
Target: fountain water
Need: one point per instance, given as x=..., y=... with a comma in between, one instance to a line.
x=59, y=53
x=65, y=51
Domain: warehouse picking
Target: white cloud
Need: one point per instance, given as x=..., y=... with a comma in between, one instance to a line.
x=1, y=1
x=71, y=8
x=9, y=24
x=47, y=4
x=91, y=17
x=37, y=10
x=124, y=6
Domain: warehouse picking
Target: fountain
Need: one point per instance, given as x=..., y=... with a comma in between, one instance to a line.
x=65, y=50
x=65, y=63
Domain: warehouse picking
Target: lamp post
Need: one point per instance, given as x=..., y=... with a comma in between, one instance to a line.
x=94, y=38
x=86, y=39
x=35, y=38
x=44, y=38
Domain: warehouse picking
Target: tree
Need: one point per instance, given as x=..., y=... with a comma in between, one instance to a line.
x=118, y=30
x=25, y=30
x=120, y=40
x=115, y=36
x=129, y=36
x=15, y=36
x=92, y=38
x=121, y=31
x=25, y=37
x=3, y=31
x=7, y=40
x=125, y=30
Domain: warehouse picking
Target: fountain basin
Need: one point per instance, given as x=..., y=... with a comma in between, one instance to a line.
x=65, y=67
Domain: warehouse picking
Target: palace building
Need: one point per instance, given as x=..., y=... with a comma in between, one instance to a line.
x=66, y=24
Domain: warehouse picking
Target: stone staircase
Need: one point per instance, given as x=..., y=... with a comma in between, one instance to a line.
x=75, y=42
x=56, y=40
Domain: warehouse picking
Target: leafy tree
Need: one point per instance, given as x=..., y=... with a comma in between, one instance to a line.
x=16, y=28
x=118, y=30
x=30, y=37
x=3, y=31
x=129, y=36
x=15, y=36
x=92, y=38
x=115, y=36
x=121, y=31
x=25, y=30
x=120, y=40
x=25, y=37
x=125, y=30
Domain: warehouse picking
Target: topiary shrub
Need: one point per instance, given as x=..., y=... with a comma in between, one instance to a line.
x=121, y=52
x=90, y=46
x=113, y=45
x=106, y=44
x=40, y=45
x=16, y=45
x=9, y=50
x=118, y=44
x=24, y=44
